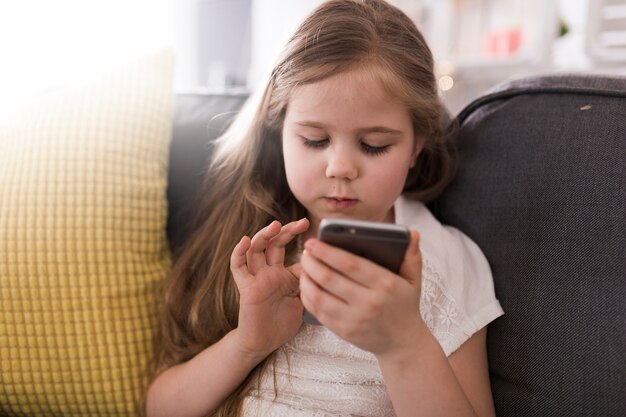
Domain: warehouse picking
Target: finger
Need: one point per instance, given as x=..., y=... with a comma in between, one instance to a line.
x=330, y=280
x=411, y=268
x=238, y=264
x=358, y=269
x=324, y=306
x=260, y=241
x=275, y=253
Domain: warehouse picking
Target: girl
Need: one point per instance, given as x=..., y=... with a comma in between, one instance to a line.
x=348, y=125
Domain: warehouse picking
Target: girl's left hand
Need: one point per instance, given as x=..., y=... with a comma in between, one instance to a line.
x=360, y=301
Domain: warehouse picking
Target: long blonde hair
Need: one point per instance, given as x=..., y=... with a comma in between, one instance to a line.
x=245, y=187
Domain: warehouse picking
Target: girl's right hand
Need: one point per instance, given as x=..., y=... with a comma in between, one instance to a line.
x=270, y=310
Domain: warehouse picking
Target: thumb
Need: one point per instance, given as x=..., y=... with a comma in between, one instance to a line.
x=411, y=268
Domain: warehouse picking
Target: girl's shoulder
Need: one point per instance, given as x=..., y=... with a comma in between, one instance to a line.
x=438, y=241
x=454, y=269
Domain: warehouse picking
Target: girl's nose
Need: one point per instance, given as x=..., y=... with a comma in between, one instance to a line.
x=341, y=165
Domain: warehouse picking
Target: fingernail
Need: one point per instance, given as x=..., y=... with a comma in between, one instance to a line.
x=310, y=244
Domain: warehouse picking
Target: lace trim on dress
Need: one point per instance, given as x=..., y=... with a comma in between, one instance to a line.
x=440, y=311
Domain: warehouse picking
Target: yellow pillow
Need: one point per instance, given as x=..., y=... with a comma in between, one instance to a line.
x=82, y=242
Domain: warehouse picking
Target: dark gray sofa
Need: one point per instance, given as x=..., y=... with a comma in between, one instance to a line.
x=542, y=190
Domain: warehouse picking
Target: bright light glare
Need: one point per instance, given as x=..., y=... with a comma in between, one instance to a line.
x=46, y=44
x=446, y=83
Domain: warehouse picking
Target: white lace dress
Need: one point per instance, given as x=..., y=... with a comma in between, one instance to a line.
x=319, y=374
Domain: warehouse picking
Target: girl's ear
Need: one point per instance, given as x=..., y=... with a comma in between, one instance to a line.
x=420, y=141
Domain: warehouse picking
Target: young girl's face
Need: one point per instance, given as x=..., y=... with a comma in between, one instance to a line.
x=348, y=146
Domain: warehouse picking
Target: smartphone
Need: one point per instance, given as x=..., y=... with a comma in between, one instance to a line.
x=382, y=243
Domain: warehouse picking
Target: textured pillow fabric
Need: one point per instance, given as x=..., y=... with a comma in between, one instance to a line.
x=542, y=190
x=82, y=242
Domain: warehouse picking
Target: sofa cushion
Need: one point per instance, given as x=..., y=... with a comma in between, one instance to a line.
x=542, y=190
x=82, y=242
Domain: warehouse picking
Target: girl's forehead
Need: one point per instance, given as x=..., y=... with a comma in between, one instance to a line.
x=346, y=88
x=347, y=101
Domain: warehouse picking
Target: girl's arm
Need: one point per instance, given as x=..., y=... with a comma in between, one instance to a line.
x=196, y=387
x=457, y=386
x=378, y=311
x=270, y=314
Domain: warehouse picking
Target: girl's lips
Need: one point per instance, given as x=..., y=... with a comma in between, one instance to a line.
x=340, y=203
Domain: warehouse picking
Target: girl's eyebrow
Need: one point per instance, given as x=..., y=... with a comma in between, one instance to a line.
x=307, y=123
x=370, y=129
x=381, y=129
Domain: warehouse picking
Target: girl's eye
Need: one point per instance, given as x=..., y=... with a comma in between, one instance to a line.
x=374, y=150
x=315, y=143
x=322, y=143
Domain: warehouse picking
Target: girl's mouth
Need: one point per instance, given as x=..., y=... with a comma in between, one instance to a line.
x=340, y=203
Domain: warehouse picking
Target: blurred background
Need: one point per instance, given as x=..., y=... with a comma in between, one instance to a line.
x=228, y=45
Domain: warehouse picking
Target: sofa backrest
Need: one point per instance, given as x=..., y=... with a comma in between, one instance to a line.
x=542, y=190
x=198, y=119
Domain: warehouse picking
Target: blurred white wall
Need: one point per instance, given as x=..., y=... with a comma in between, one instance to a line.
x=46, y=44
x=221, y=44
x=49, y=44
x=274, y=20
